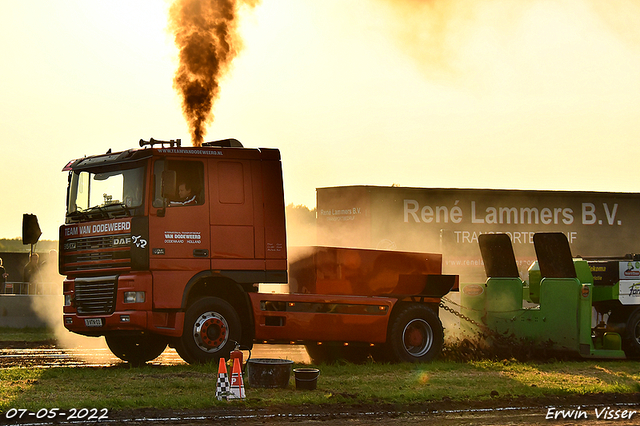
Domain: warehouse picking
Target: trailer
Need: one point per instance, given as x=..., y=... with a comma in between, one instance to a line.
x=449, y=221
x=169, y=245
x=584, y=306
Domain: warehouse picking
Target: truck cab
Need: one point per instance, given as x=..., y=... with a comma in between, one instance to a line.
x=137, y=252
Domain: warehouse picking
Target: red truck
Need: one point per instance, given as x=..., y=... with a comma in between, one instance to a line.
x=167, y=245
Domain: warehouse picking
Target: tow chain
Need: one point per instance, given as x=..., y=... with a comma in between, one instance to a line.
x=482, y=327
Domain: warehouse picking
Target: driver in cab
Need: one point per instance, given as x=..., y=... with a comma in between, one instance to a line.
x=185, y=196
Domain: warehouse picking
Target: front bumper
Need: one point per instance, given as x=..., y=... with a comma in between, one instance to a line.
x=164, y=323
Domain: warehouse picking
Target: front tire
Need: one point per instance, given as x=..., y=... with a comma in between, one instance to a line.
x=211, y=328
x=415, y=335
x=136, y=350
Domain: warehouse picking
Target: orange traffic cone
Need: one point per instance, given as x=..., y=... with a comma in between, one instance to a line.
x=237, y=385
x=223, y=388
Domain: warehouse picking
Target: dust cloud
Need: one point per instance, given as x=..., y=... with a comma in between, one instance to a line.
x=432, y=32
x=49, y=308
x=471, y=43
x=207, y=38
x=622, y=18
x=301, y=225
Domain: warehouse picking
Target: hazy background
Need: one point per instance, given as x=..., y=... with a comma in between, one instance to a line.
x=501, y=94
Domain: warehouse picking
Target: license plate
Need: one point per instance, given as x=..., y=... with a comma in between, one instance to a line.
x=93, y=322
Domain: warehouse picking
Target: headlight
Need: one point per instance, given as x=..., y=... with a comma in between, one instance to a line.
x=134, y=297
x=67, y=300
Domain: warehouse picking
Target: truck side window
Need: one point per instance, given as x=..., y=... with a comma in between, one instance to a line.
x=190, y=183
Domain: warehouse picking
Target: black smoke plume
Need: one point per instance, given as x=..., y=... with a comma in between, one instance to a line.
x=206, y=35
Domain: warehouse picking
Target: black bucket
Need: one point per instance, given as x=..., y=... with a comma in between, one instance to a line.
x=269, y=373
x=306, y=378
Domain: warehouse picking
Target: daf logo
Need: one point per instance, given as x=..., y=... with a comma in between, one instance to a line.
x=121, y=241
x=69, y=246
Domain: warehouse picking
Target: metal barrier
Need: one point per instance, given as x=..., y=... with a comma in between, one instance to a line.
x=20, y=287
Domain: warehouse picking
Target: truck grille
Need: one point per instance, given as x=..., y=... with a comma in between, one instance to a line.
x=95, y=253
x=95, y=295
x=92, y=243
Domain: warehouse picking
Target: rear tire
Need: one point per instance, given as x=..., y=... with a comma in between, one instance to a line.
x=136, y=350
x=211, y=328
x=415, y=335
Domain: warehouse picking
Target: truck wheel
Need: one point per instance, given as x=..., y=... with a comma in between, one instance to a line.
x=415, y=335
x=631, y=336
x=211, y=328
x=136, y=350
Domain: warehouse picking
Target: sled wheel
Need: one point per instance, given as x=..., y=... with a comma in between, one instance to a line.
x=211, y=328
x=415, y=335
x=136, y=350
x=631, y=336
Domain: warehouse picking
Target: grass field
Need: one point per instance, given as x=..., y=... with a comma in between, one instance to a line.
x=192, y=386
x=187, y=386
x=8, y=334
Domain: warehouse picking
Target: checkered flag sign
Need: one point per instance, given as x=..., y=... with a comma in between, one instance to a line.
x=223, y=387
x=237, y=385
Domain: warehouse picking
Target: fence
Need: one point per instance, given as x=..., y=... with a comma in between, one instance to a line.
x=47, y=273
x=42, y=288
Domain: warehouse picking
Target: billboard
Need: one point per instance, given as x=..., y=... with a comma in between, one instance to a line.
x=449, y=221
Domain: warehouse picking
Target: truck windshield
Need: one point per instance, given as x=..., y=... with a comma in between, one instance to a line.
x=107, y=193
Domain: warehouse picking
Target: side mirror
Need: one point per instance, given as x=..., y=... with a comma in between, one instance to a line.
x=169, y=183
x=30, y=229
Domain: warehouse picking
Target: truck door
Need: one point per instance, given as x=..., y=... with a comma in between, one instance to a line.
x=178, y=229
x=235, y=214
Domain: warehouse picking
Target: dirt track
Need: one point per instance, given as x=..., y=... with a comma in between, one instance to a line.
x=493, y=412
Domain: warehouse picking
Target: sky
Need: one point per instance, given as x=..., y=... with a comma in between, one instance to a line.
x=527, y=94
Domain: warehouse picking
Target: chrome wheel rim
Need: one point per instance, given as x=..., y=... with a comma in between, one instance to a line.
x=211, y=332
x=417, y=337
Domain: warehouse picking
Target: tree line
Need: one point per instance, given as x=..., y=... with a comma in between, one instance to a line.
x=14, y=245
